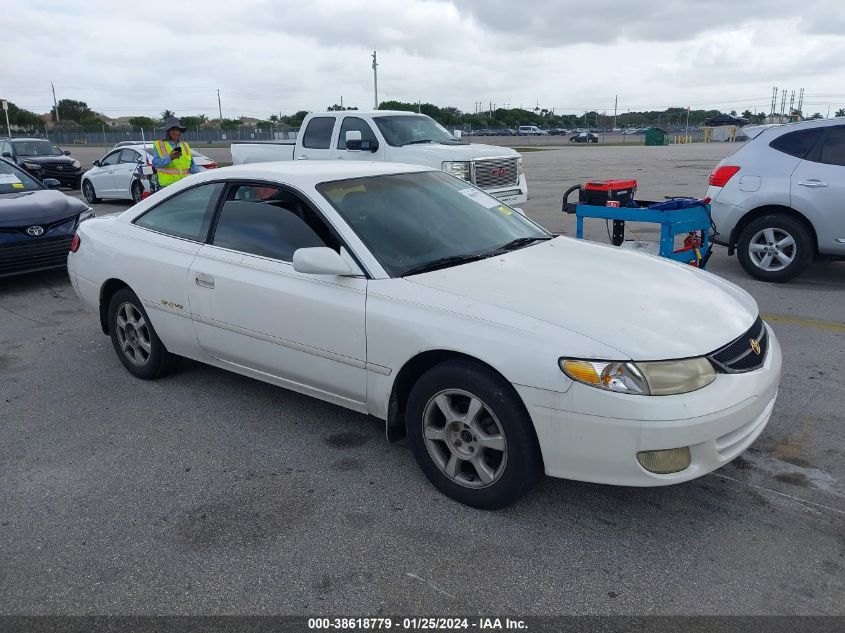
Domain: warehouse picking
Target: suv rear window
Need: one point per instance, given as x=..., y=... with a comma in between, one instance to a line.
x=797, y=143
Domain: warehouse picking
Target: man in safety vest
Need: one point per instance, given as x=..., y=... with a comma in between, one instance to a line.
x=173, y=160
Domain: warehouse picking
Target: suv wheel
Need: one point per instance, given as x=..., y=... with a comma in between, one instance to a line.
x=775, y=248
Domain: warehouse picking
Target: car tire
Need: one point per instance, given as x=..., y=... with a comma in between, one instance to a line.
x=135, y=341
x=136, y=191
x=471, y=435
x=89, y=193
x=775, y=248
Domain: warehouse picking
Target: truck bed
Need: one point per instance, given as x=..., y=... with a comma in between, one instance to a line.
x=262, y=152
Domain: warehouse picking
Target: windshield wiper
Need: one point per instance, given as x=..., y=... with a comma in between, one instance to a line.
x=521, y=242
x=445, y=262
x=422, y=140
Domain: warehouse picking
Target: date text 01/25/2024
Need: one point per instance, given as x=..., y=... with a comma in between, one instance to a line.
x=415, y=624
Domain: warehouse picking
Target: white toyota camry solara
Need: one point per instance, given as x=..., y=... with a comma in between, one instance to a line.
x=500, y=351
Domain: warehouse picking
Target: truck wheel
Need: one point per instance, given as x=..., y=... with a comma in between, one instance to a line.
x=775, y=248
x=471, y=435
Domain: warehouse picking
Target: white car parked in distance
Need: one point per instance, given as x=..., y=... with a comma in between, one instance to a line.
x=115, y=174
x=406, y=293
x=778, y=200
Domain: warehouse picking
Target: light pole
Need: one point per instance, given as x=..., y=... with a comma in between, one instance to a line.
x=6, y=110
x=375, y=82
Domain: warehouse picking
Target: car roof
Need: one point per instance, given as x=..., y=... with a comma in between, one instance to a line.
x=774, y=130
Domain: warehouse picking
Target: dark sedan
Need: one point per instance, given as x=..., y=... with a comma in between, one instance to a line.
x=584, y=137
x=41, y=159
x=36, y=224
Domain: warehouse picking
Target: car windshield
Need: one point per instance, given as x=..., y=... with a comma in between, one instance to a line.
x=36, y=148
x=427, y=220
x=413, y=128
x=14, y=180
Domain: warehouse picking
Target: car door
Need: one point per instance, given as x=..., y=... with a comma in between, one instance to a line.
x=165, y=240
x=317, y=139
x=357, y=124
x=252, y=310
x=817, y=189
x=124, y=172
x=103, y=177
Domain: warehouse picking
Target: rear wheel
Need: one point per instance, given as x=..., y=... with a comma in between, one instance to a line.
x=471, y=435
x=135, y=341
x=137, y=190
x=89, y=193
x=775, y=248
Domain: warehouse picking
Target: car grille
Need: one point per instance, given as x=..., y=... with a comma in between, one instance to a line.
x=495, y=172
x=53, y=171
x=30, y=255
x=739, y=356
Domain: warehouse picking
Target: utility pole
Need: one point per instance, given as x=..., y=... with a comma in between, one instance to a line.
x=375, y=82
x=55, y=103
x=220, y=108
x=615, y=103
x=9, y=128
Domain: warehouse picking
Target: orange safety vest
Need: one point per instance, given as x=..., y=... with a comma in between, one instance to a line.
x=178, y=167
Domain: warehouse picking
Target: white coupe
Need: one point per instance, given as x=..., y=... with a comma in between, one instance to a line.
x=399, y=291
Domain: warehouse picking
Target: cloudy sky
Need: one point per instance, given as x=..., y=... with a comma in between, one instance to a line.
x=270, y=56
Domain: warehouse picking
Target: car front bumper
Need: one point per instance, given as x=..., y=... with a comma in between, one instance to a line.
x=591, y=435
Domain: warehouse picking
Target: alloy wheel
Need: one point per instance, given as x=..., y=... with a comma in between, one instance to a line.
x=772, y=249
x=133, y=335
x=464, y=438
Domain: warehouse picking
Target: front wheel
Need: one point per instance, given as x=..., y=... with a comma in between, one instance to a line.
x=89, y=193
x=471, y=436
x=775, y=248
x=135, y=341
x=137, y=191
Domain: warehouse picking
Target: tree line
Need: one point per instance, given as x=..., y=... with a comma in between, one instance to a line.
x=74, y=114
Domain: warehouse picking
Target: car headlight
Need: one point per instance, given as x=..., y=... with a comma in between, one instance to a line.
x=76, y=164
x=27, y=165
x=457, y=168
x=519, y=169
x=85, y=215
x=656, y=378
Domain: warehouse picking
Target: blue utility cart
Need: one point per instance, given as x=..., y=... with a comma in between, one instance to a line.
x=676, y=216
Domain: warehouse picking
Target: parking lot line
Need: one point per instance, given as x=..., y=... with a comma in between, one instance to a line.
x=811, y=323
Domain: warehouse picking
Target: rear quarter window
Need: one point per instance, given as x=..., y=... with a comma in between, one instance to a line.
x=797, y=143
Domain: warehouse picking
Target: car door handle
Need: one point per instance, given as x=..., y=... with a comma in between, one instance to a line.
x=206, y=281
x=812, y=183
x=302, y=157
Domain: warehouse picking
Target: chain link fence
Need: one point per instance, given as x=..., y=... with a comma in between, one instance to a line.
x=107, y=135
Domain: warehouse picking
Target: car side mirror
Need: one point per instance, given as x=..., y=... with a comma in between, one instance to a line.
x=6, y=155
x=67, y=152
x=321, y=260
x=96, y=163
x=51, y=183
x=354, y=143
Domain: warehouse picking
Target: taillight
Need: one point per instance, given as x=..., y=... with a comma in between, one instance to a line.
x=720, y=176
x=211, y=166
x=74, y=243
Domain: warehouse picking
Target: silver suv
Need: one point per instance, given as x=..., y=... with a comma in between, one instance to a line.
x=779, y=200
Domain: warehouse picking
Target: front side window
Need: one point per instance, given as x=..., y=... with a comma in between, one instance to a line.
x=36, y=148
x=318, y=134
x=111, y=159
x=269, y=221
x=797, y=143
x=354, y=124
x=403, y=129
x=129, y=156
x=186, y=215
x=832, y=149
x=409, y=221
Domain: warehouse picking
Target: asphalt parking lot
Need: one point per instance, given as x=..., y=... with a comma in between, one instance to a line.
x=208, y=493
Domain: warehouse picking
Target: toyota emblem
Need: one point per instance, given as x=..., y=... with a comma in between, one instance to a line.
x=59, y=167
x=35, y=231
x=499, y=172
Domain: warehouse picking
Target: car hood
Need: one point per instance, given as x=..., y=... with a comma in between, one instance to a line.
x=37, y=207
x=648, y=308
x=433, y=154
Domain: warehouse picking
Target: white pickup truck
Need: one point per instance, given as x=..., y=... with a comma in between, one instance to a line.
x=398, y=137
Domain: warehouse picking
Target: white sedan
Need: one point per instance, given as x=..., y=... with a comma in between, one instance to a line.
x=117, y=174
x=404, y=293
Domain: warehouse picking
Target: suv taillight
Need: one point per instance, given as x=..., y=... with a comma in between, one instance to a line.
x=720, y=176
x=74, y=243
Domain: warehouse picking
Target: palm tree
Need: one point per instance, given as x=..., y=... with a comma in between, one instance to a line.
x=840, y=112
x=167, y=114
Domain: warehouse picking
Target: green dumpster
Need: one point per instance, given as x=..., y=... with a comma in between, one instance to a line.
x=656, y=136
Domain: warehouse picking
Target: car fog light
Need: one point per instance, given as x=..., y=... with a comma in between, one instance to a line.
x=671, y=460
